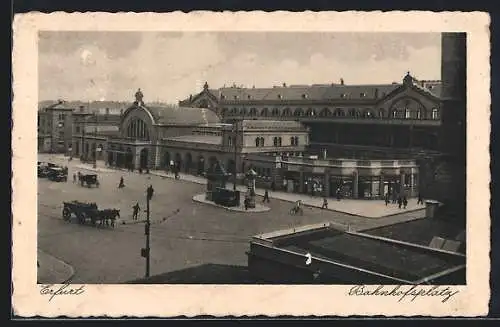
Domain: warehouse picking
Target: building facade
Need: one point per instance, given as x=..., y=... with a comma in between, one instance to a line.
x=347, y=120
x=54, y=128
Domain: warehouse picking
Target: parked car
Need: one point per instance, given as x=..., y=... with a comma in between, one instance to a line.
x=42, y=169
x=57, y=174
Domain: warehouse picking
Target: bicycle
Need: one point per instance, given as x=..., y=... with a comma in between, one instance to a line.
x=296, y=211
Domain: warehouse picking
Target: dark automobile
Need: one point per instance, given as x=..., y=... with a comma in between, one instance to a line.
x=42, y=169
x=57, y=174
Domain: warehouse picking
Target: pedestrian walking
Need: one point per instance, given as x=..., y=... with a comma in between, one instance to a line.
x=420, y=200
x=151, y=191
x=400, y=202
x=405, y=202
x=74, y=177
x=339, y=194
x=325, y=203
x=246, y=203
x=386, y=199
x=136, y=208
x=121, y=184
x=266, y=197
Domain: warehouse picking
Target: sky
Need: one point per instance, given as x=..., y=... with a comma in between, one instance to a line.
x=169, y=66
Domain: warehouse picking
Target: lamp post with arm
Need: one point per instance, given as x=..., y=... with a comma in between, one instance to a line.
x=95, y=139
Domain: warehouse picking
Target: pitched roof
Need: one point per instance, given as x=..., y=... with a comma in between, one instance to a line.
x=205, y=139
x=174, y=115
x=314, y=92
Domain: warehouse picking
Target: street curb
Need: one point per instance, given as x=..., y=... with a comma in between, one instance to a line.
x=358, y=215
x=67, y=265
x=196, y=199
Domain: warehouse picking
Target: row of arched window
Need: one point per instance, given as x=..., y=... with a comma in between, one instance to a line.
x=339, y=112
x=277, y=141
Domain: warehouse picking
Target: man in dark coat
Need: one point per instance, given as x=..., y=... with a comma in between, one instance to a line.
x=136, y=211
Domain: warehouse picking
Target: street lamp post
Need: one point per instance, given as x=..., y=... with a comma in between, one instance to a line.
x=95, y=139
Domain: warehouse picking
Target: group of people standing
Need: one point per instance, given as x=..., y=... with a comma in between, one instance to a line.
x=401, y=200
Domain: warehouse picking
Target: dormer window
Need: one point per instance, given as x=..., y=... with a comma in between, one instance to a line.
x=249, y=97
x=236, y=97
x=304, y=96
x=362, y=94
x=342, y=95
x=280, y=96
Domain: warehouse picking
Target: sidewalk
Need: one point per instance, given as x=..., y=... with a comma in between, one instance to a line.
x=52, y=270
x=362, y=208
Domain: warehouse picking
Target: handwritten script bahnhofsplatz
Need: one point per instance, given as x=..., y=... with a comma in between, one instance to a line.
x=53, y=290
x=404, y=292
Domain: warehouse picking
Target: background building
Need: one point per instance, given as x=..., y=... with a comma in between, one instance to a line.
x=372, y=121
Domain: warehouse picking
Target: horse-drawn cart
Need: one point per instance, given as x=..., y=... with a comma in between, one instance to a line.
x=89, y=212
x=88, y=180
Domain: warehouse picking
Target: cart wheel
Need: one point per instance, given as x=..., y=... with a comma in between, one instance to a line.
x=66, y=214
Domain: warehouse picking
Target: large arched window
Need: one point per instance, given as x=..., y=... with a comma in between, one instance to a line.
x=264, y=112
x=287, y=112
x=275, y=112
x=138, y=129
x=253, y=112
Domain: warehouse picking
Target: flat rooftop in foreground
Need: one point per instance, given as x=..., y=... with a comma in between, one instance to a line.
x=351, y=256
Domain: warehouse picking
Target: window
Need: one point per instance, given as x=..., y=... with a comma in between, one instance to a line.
x=435, y=113
x=138, y=129
x=298, y=112
x=275, y=141
x=264, y=112
x=249, y=97
x=230, y=141
x=394, y=114
x=342, y=95
x=304, y=96
x=275, y=112
x=286, y=112
x=310, y=112
x=362, y=94
x=77, y=129
x=243, y=111
x=294, y=140
x=107, y=111
x=259, y=141
x=325, y=112
x=280, y=96
x=407, y=113
x=352, y=112
x=339, y=113
x=253, y=112
x=381, y=113
x=419, y=114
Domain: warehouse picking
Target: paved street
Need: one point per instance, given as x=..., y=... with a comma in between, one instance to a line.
x=198, y=234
